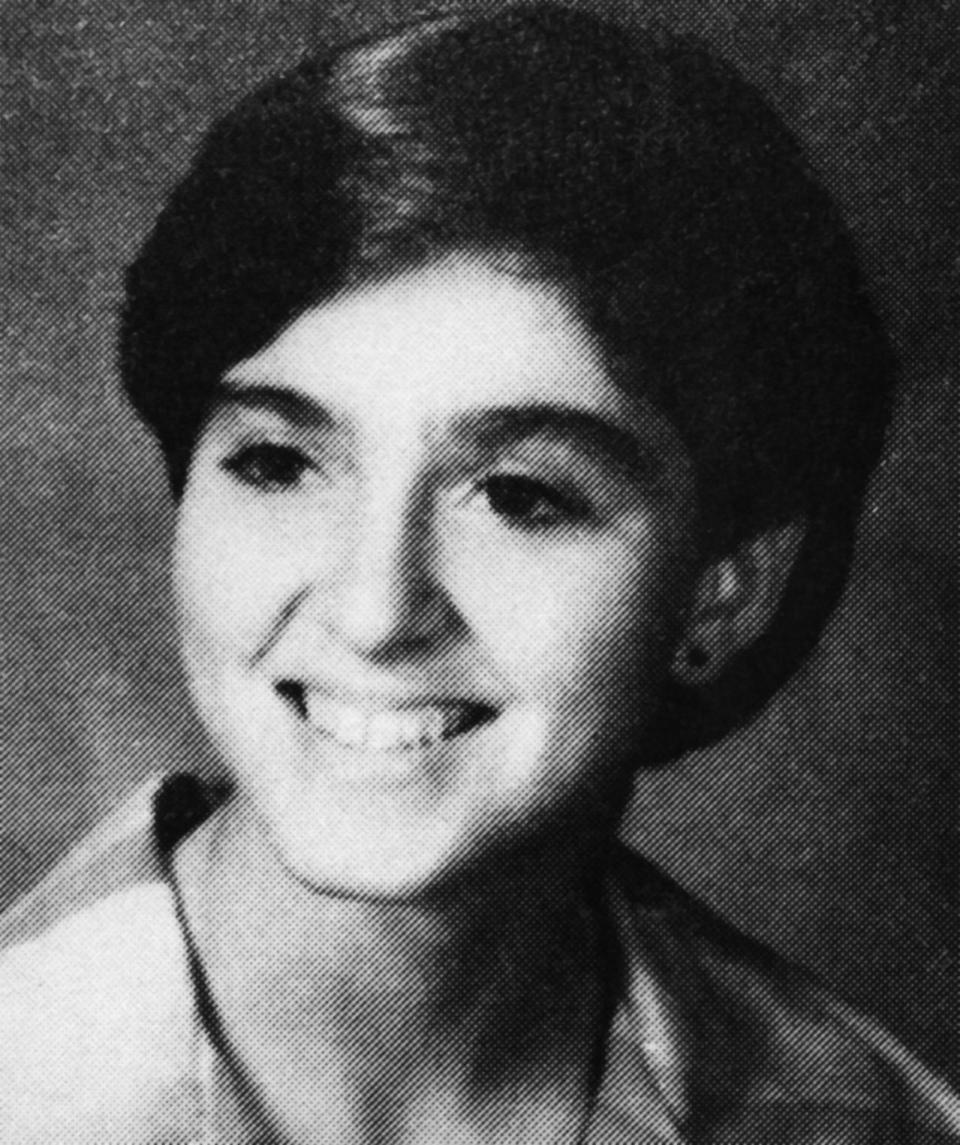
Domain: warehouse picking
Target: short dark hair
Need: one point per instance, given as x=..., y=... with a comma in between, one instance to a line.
x=635, y=167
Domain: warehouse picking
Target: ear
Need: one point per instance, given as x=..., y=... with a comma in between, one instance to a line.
x=734, y=602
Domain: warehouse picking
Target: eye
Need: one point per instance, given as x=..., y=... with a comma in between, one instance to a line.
x=526, y=501
x=267, y=466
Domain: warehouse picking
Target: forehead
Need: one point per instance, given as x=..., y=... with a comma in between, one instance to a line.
x=437, y=340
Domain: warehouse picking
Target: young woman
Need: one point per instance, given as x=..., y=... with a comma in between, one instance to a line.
x=518, y=392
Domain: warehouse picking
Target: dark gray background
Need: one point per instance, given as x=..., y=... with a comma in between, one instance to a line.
x=829, y=827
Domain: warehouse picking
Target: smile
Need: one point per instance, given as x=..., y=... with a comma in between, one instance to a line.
x=371, y=728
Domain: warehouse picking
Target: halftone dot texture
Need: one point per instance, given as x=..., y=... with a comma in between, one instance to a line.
x=828, y=826
x=112, y=1032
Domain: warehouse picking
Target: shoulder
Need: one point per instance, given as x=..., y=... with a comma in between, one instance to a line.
x=766, y=1044
x=95, y=1023
x=96, y=1013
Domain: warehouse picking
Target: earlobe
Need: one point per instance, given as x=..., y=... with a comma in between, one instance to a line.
x=735, y=600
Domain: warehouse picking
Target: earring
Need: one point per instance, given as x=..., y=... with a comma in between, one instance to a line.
x=691, y=664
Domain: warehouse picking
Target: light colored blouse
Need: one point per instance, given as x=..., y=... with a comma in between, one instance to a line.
x=105, y=1037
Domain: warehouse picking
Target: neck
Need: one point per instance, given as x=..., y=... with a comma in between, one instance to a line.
x=495, y=980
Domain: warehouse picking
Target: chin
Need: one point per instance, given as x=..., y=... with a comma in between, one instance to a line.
x=418, y=872
x=441, y=861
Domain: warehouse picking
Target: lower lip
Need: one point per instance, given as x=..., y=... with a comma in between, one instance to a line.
x=404, y=762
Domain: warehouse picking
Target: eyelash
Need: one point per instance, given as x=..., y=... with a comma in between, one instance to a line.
x=522, y=502
x=267, y=466
x=561, y=508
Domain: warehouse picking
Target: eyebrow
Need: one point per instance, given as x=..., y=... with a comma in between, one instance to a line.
x=597, y=437
x=293, y=407
x=489, y=430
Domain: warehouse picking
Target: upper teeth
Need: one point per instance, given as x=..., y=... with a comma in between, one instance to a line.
x=385, y=730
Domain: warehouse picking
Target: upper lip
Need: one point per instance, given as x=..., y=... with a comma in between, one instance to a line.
x=378, y=700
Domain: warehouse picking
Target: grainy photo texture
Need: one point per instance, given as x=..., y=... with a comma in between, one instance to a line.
x=479, y=573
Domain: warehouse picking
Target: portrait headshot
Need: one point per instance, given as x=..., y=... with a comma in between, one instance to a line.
x=480, y=570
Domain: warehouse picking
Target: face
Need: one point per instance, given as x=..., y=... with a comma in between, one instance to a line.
x=431, y=563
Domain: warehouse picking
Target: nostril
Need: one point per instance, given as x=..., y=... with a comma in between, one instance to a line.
x=293, y=693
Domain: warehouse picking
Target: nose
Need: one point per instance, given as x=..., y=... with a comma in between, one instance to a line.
x=385, y=600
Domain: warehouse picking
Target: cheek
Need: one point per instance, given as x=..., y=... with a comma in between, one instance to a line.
x=231, y=580
x=590, y=625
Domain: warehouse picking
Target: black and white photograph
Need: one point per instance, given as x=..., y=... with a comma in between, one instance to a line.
x=478, y=592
